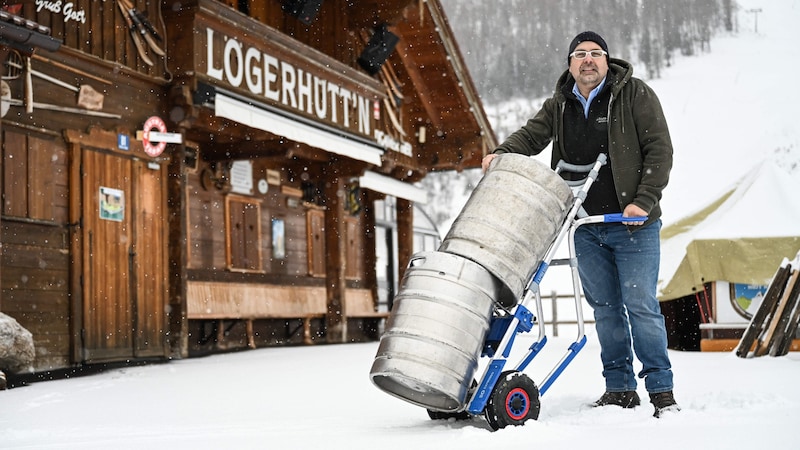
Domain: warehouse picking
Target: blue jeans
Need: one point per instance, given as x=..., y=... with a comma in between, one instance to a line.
x=619, y=272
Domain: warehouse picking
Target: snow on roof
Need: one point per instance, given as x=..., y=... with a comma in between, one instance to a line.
x=763, y=204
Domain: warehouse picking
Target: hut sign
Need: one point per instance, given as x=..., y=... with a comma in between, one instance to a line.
x=280, y=81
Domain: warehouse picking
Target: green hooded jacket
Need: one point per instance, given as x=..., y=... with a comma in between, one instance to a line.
x=640, y=148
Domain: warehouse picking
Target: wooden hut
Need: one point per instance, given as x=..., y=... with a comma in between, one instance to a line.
x=181, y=177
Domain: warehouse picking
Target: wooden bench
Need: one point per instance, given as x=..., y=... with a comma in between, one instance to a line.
x=248, y=302
x=359, y=304
x=209, y=300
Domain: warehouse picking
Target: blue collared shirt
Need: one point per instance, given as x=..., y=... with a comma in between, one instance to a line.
x=586, y=102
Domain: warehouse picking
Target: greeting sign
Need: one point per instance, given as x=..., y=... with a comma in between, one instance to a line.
x=69, y=10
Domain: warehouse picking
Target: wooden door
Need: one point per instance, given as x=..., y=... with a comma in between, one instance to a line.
x=123, y=257
x=149, y=259
x=107, y=305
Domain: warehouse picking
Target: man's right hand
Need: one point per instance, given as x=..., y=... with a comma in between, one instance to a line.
x=487, y=160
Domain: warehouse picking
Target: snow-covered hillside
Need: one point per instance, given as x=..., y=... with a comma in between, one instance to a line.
x=727, y=110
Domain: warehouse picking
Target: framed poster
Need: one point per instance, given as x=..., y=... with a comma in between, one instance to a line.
x=746, y=298
x=112, y=204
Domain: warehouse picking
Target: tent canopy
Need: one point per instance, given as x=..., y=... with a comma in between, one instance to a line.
x=741, y=237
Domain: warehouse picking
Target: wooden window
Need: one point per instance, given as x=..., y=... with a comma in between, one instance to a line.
x=32, y=167
x=316, y=242
x=354, y=250
x=243, y=233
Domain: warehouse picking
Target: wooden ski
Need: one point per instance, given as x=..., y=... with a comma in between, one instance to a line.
x=768, y=338
x=756, y=325
x=788, y=325
x=137, y=41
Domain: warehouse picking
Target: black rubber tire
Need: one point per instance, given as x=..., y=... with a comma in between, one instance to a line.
x=514, y=400
x=461, y=415
x=441, y=415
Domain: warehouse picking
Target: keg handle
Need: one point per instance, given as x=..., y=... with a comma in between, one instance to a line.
x=414, y=261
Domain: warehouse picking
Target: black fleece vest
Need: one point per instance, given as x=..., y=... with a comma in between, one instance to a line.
x=584, y=139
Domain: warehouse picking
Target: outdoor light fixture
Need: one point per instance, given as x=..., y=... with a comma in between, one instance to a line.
x=304, y=10
x=378, y=49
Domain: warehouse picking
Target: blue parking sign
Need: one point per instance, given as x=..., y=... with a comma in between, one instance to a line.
x=123, y=141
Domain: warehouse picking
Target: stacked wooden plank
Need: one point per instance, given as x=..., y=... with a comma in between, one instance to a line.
x=775, y=323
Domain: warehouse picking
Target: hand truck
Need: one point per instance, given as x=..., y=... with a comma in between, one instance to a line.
x=510, y=397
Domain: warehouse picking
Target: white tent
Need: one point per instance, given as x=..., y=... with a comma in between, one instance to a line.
x=741, y=237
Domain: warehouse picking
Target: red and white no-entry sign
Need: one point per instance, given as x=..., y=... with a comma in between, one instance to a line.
x=151, y=148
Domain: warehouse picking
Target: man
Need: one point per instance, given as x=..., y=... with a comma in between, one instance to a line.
x=598, y=107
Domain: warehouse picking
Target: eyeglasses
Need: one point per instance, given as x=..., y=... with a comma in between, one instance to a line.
x=582, y=54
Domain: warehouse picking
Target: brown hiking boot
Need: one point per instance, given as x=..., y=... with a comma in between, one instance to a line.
x=626, y=399
x=663, y=402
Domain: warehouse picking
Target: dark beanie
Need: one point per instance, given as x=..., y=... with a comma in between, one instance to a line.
x=586, y=36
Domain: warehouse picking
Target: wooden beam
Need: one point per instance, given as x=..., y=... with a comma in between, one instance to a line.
x=178, y=255
x=76, y=248
x=411, y=67
x=335, y=259
x=405, y=234
x=374, y=12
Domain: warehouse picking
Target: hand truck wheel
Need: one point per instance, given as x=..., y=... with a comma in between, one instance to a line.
x=514, y=400
x=460, y=415
x=441, y=415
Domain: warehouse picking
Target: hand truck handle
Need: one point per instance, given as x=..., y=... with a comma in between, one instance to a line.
x=617, y=217
x=581, y=168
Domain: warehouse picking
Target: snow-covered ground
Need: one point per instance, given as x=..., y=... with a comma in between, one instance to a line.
x=727, y=110
x=321, y=397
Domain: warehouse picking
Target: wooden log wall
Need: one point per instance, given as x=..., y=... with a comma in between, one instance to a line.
x=35, y=242
x=303, y=224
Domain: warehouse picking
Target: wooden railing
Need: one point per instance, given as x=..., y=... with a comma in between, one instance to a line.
x=559, y=300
